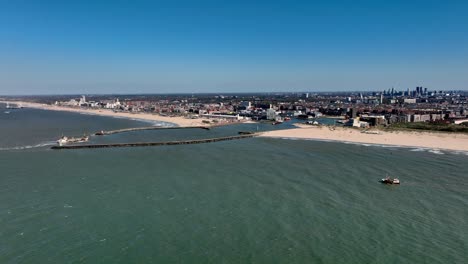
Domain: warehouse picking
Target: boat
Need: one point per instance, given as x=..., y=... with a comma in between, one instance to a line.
x=277, y=122
x=372, y=132
x=6, y=112
x=388, y=180
x=66, y=140
x=8, y=106
x=287, y=118
x=311, y=122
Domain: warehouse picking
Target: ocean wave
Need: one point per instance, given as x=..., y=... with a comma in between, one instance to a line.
x=40, y=145
x=90, y=114
x=418, y=150
x=410, y=148
x=461, y=153
x=436, y=151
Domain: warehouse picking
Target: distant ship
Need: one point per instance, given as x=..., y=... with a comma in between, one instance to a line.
x=8, y=106
x=388, y=180
x=66, y=140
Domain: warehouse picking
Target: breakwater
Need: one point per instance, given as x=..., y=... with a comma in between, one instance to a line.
x=110, y=132
x=147, y=144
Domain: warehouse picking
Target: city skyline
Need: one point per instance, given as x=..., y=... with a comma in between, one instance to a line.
x=205, y=47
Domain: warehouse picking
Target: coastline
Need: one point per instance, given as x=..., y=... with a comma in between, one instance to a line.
x=431, y=140
x=397, y=138
x=176, y=120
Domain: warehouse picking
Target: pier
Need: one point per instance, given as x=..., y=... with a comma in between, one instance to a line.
x=110, y=132
x=147, y=144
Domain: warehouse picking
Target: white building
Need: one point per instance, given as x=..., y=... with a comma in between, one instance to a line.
x=82, y=100
x=410, y=101
x=355, y=122
x=270, y=114
x=247, y=105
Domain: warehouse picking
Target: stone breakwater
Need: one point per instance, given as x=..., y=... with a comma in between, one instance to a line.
x=148, y=144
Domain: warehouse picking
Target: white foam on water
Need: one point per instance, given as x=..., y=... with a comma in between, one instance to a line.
x=418, y=149
x=40, y=145
x=460, y=153
x=90, y=114
x=436, y=151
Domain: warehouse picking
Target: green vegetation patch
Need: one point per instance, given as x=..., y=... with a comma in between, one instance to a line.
x=462, y=128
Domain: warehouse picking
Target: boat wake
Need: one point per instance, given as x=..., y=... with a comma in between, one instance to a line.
x=40, y=145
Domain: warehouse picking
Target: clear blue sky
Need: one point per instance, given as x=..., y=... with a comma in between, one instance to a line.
x=49, y=47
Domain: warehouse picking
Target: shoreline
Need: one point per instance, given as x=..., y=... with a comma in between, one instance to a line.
x=398, y=138
x=148, y=117
x=428, y=140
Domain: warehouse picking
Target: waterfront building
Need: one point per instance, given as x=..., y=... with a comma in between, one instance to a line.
x=356, y=122
x=270, y=114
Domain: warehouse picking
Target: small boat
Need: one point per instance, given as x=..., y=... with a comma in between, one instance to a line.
x=287, y=118
x=8, y=106
x=388, y=180
x=277, y=123
x=311, y=122
x=65, y=140
x=6, y=112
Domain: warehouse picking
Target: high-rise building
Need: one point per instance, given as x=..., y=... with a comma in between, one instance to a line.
x=82, y=100
x=352, y=112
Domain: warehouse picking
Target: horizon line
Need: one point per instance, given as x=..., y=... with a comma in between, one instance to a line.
x=216, y=93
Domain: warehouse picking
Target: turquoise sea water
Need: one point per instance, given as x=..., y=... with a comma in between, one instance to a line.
x=256, y=200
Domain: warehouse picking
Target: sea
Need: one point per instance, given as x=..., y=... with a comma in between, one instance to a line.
x=257, y=200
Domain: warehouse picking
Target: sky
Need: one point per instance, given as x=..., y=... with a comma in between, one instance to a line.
x=99, y=47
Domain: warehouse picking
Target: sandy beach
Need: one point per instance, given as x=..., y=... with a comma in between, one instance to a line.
x=433, y=140
x=180, y=121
